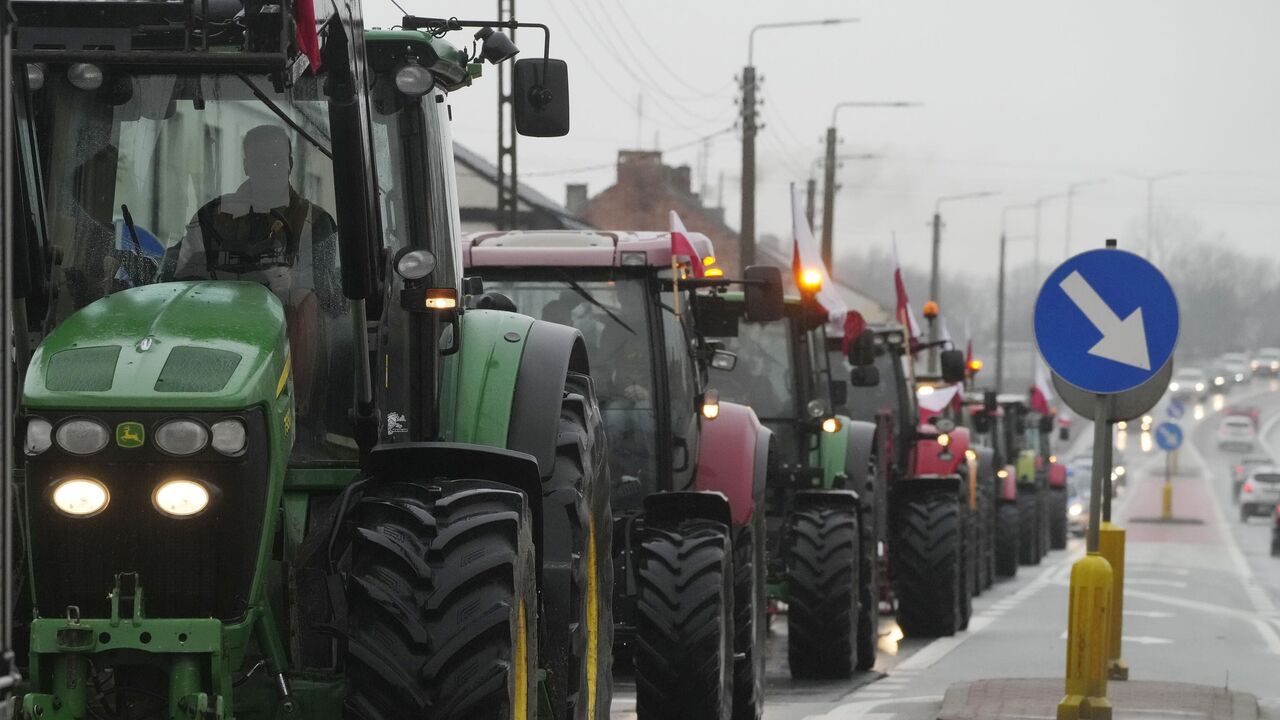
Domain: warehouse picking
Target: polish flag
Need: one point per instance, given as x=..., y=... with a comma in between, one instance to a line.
x=904, y=314
x=806, y=255
x=306, y=37
x=680, y=245
x=1042, y=396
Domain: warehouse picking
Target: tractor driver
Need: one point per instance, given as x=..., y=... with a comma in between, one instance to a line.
x=266, y=232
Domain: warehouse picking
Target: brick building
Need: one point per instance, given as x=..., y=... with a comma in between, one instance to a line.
x=642, y=198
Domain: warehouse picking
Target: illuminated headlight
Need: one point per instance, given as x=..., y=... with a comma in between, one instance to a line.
x=182, y=437
x=1239, y=377
x=229, y=437
x=831, y=425
x=80, y=497
x=635, y=258
x=1199, y=387
x=39, y=436
x=1119, y=471
x=1255, y=364
x=414, y=80
x=944, y=440
x=1173, y=387
x=970, y=454
x=896, y=338
x=180, y=498
x=1275, y=364
x=1002, y=474
x=415, y=264
x=82, y=437
x=1076, y=510
x=1219, y=380
x=85, y=76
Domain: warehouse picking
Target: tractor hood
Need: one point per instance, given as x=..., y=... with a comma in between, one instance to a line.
x=179, y=345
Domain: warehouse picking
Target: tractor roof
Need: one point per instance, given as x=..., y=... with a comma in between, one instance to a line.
x=449, y=65
x=573, y=248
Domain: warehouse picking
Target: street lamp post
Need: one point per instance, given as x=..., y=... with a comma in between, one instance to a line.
x=1071, y=192
x=1151, y=181
x=749, y=132
x=933, y=267
x=811, y=202
x=829, y=177
x=1004, y=239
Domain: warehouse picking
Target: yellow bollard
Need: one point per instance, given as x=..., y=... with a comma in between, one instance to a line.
x=1166, y=506
x=1088, y=641
x=1111, y=548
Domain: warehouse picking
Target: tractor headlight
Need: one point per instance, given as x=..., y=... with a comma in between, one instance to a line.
x=816, y=409
x=415, y=264
x=182, y=437
x=1119, y=471
x=85, y=76
x=944, y=439
x=831, y=425
x=229, y=436
x=180, y=498
x=80, y=497
x=82, y=436
x=414, y=80
x=39, y=436
x=1076, y=509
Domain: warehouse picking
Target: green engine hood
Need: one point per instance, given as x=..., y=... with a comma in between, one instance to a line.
x=180, y=345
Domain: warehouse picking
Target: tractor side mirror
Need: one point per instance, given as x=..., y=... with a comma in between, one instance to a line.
x=839, y=393
x=762, y=294
x=724, y=360
x=990, y=401
x=981, y=422
x=1046, y=425
x=717, y=317
x=952, y=366
x=862, y=349
x=541, y=97
x=864, y=376
x=1064, y=434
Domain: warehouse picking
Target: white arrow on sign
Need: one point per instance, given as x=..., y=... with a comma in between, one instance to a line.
x=1124, y=341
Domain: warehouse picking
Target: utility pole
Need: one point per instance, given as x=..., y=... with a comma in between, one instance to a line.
x=508, y=208
x=1071, y=193
x=811, y=187
x=829, y=198
x=748, y=166
x=933, y=267
x=1151, y=181
x=1000, y=291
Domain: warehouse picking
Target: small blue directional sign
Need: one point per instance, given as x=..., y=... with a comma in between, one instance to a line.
x=1106, y=321
x=1175, y=409
x=1168, y=436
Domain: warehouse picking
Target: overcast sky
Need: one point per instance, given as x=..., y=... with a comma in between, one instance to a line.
x=1021, y=97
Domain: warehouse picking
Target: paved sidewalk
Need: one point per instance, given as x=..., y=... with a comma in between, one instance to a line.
x=1021, y=699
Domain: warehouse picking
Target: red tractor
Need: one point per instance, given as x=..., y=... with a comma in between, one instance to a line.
x=688, y=471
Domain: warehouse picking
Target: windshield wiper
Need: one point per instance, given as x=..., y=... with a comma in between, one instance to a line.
x=271, y=104
x=591, y=299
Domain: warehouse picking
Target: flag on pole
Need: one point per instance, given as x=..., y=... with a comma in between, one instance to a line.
x=680, y=245
x=903, y=312
x=806, y=258
x=968, y=347
x=1042, y=396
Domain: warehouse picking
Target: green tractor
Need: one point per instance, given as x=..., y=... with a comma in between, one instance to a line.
x=822, y=488
x=281, y=462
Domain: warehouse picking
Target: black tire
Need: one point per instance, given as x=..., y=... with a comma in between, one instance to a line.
x=927, y=566
x=1244, y=513
x=1028, y=527
x=1275, y=543
x=684, y=622
x=1046, y=535
x=578, y=652
x=967, y=564
x=442, y=605
x=750, y=625
x=868, y=598
x=823, y=568
x=1007, y=540
x=987, y=527
x=1058, y=518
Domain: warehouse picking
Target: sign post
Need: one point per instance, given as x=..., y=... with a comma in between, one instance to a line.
x=1169, y=439
x=1106, y=322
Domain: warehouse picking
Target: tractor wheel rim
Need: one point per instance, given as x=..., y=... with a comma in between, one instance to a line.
x=521, y=658
x=593, y=620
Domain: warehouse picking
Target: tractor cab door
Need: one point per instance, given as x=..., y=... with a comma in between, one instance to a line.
x=684, y=382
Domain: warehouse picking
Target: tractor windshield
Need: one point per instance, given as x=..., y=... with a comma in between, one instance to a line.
x=764, y=375
x=611, y=314
x=866, y=402
x=155, y=177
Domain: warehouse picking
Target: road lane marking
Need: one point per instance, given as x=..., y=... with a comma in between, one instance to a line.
x=1146, y=640
x=1152, y=581
x=862, y=709
x=1155, y=614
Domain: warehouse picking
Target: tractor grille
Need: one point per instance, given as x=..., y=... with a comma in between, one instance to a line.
x=194, y=567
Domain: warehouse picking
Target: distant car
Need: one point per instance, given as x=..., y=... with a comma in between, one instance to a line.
x=1266, y=361
x=1219, y=379
x=1275, y=531
x=1189, y=384
x=1260, y=493
x=1236, y=366
x=1078, y=507
x=1237, y=433
x=1240, y=472
x=1245, y=411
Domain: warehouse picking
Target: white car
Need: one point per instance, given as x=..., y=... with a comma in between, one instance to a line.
x=1237, y=433
x=1260, y=493
x=1236, y=366
x=1266, y=361
x=1189, y=383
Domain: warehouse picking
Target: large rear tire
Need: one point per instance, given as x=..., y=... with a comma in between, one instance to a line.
x=750, y=597
x=823, y=562
x=1058, y=518
x=927, y=569
x=578, y=651
x=1008, y=540
x=967, y=564
x=1028, y=527
x=684, y=622
x=442, y=605
x=868, y=597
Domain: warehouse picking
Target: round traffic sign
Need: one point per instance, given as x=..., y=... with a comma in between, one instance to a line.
x=1106, y=321
x=1176, y=409
x=1168, y=436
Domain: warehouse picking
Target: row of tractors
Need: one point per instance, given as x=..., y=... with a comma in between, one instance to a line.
x=292, y=446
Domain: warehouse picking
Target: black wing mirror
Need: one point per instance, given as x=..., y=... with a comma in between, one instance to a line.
x=862, y=349
x=864, y=376
x=952, y=366
x=839, y=393
x=541, y=97
x=762, y=294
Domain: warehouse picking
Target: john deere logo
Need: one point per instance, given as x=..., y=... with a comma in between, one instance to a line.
x=130, y=435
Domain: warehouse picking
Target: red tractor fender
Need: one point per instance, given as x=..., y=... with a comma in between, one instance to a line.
x=1057, y=475
x=733, y=459
x=929, y=453
x=1009, y=484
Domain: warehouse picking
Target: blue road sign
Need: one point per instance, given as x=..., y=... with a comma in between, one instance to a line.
x=1106, y=321
x=1168, y=436
x=1175, y=409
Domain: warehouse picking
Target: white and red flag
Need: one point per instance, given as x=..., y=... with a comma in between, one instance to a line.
x=1042, y=396
x=903, y=312
x=806, y=257
x=681, y=246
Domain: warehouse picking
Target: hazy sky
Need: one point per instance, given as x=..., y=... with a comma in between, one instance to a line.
x=1020, y=97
